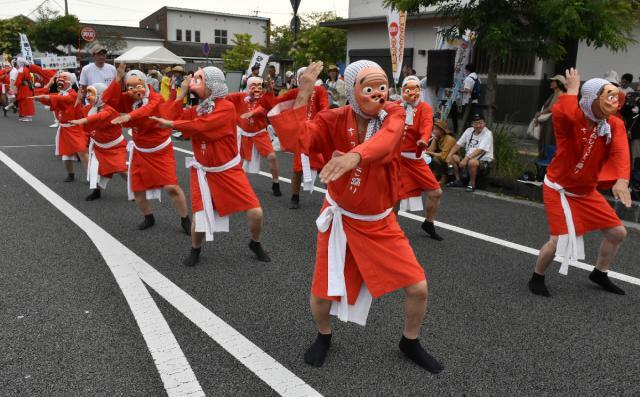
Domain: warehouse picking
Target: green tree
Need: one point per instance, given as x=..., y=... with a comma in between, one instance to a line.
x=238, y=57
x=9, y=29
x=318, y=43
x=539, y=27
x=113, y=42
x=281, y=40
x=52, y=30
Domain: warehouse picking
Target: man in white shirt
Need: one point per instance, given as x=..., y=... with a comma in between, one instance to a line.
x=477, y=142
x=465, y=99
x=98, y=71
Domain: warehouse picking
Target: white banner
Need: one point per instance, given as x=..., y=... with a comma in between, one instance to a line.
x=25, y=48
x=396, y=24
x=260, y=59
x=58, y=63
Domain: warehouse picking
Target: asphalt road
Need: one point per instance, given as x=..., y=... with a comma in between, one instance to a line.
x=68, y=330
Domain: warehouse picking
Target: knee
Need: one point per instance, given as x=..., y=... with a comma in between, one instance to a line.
x=417, y=291
x=172, y=190
x=616, y=235
x=255, y=214
x=271, y=156
x=435, y=194
x=553, y=242
x=474, y=164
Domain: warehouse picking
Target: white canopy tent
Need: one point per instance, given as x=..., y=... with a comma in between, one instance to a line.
x=152, y=55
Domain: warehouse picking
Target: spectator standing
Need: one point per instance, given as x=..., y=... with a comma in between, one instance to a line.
x=477, y=142
x=544, y=117
x=274, y=79
x=625, y=83
x=153, y=80
x=442, y=142
x=468, y=100
x=97, y=72
x=336, y=88
x=165, y=84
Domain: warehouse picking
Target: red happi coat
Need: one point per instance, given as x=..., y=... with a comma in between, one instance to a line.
x=24, y=82
x=148, y=170
x=378, y=252
x=416, y=175
x=583, y=162
x=99, y=127
x=258, y=122
x=72, y=139
x=213, y=137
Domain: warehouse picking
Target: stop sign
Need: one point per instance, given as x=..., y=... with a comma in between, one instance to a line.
x=88, y=34
x=393, y=29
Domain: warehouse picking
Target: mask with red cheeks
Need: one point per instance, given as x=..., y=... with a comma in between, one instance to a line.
x=255, y=90
x=64, y=81
x=370, y=90
x=92, y=96
x=607, y=103
x=136, y=88
x=411, y=91
x=197, y=85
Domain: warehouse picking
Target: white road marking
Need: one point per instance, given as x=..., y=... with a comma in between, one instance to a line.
x=174, y=369
x=130, y=271
x=471, y=233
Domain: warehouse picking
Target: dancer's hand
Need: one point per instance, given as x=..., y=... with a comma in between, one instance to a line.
x=306, y=82
x=125, y=118
x=247, y=115
x=573, y=81
x=421, y=143
x=121, y=71
x=164, y=123
x=79, y=121
x=621, y=192
x=340, y=164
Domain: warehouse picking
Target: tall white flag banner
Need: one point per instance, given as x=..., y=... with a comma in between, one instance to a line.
x=260, y=59
x=396, y=24
x=25, y=48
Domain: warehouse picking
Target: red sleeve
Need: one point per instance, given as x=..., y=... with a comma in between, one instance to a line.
x=46, y=74
x=287, y=96
x=235, y=97
x=85, y=110
x=618, y=164
x=59, y=102
x=113, y=97
x=210, y=127
x=426, y=122
x=268, y=101
x=323, y=98
x=383, y=146
x=106, y=114
x=41, y=91
x=150, y=109
x=563, y=112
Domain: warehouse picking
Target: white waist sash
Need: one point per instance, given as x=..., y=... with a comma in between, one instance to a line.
x=60, y=127
x=93, y=176
x=209, y=221
x=413, y=203
x=570, y=247
x=252, y=166
x=131, y=147
x=412, y=156
x=332, y=216
x=308, y=175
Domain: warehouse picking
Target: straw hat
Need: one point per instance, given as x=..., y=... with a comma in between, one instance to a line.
x=442, y=124
x=177, y=69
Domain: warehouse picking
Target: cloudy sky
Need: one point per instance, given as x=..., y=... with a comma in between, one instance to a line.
x=128, y=13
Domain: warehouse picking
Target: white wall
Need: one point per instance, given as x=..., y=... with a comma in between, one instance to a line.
x=593, y=62
x=207, y=23
x=130, y=43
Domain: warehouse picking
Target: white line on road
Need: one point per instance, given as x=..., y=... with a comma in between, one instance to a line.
x=471, y=233
x=130, y=270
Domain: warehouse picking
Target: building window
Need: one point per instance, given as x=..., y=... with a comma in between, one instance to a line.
x=220, y=36
x=197, y=36
x=187, y=35
x=178, y=34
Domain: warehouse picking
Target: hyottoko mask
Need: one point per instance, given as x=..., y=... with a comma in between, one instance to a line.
x=607, y=102
x=197, y=85
x=254, y=87
x=371, y=90
x=411, y=90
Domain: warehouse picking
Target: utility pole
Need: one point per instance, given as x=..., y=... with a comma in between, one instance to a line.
x=66, y=8
x=295, y=22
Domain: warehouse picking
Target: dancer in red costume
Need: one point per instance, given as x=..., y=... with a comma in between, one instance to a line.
x=361, y=251
x=219, y=185
x=415, y=174
x=152, y=166
x=592, y=152
x=25, y=91
x=107, y=147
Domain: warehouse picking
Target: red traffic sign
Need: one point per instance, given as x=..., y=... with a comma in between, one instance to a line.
x=393, y=29
x=88, y=34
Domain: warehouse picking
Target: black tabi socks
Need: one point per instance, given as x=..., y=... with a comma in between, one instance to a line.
x=186, y=225
x=70, y=177
x=193, y=258
x=275, y=187
x=416, y=353
x=95, y=194
x=537, y=286
x=317, y=352
x=430, y=228
x=256, y=247
x=602, y=279
x=149, y=221
x=295, y=202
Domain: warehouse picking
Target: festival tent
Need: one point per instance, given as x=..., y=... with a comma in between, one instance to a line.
x=150, y=55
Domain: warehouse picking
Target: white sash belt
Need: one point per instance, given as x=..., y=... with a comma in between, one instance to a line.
x=131, y=147
x=412, y=156
x=570, y=247
x=60, y=126
x=332, y=216
x=413, y=203
x=252, y=166
x=308, y=175
x=209, y=221
x=93, y=176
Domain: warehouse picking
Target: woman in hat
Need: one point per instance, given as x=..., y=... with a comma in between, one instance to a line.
x=544, y=117
x=335, y=88
x=441, y=144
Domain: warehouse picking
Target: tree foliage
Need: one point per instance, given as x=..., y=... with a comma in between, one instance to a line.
x=238, y=57
x=9, y=29
x=52, y=30
x=113, y=42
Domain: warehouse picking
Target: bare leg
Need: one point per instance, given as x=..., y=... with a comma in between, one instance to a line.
x=296, y=180
x=433, y=202
x=613, y=238
x=274, y=167
x=415, y=307
x=545, y=257
x=145, y=207
x=178, y=199
x=196, y=238
x=196, y=244
x=473, y=171
x=455, y=162
x=68, y=166
x=317, y=352
x=254, y=217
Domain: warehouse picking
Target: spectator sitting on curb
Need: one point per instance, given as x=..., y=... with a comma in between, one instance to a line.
x=442, y=141
x=477, y=142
